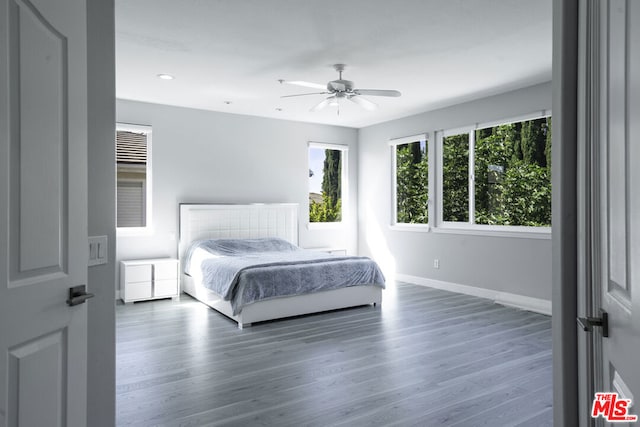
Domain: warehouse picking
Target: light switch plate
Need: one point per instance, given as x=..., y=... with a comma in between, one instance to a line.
x=98, y=249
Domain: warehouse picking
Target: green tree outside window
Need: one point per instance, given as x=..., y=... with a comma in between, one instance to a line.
x=327, y=207
x=412, y=183
x=512, y=175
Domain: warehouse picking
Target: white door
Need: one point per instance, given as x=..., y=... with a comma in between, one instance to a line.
x=616, y=201
x=43, y=212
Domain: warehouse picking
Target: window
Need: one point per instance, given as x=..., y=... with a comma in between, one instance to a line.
x=327, y=182
x=410, y=168
x=133, y=176
x=455, y=177
x=498, y=175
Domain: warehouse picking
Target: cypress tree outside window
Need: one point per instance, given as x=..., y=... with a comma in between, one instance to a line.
x=327, y=182
x=497, y=175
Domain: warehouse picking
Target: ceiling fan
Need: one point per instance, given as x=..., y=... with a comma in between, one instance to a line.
x=341, y=89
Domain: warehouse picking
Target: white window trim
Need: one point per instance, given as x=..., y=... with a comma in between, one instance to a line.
x=494, y=230
x=148, y=228
x=403, y=226
x=393, y=143
x=470, y=228
x=344, y=176
x=439, y=170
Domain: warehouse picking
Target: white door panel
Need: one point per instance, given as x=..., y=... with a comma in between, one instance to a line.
x=43, y=149
x=616, y=244
x=40, y=170
x=37, y=369
x=620, y=189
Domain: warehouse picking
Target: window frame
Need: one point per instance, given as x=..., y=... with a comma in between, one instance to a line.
x=148, y=228
x=344, y=185
x=393, y=143
x=469, y=227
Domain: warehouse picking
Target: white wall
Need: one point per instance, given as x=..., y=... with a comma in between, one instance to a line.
x=205, y=156
x=520, y=266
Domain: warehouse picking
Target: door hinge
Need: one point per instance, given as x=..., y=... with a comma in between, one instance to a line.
x=587, y=323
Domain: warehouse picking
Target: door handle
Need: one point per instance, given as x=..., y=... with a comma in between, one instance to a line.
x=78, y=295
x=587, y=323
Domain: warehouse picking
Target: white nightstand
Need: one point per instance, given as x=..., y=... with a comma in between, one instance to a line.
x=336, y=251
x=147, y=279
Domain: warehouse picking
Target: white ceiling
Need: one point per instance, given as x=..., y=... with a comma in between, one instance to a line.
x=436, y=52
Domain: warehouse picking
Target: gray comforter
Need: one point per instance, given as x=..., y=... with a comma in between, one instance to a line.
x=250, y=270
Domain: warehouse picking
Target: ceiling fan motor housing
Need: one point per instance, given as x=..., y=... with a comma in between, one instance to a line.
x=338, y=86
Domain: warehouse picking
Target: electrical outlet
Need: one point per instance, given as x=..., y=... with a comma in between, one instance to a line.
x=436, y=263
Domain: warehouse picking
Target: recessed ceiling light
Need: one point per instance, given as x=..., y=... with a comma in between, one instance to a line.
x=165, y=77
x=227, y=102
x=278, y=109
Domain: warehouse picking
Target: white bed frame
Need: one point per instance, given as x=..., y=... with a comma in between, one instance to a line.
x=212, y=221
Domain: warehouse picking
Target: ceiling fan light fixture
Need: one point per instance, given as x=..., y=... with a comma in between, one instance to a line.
x=363, y=102
x=341, y=88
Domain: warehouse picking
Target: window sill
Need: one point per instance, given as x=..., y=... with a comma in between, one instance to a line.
x=325, y=225
x=420, y=228
x=543, y=233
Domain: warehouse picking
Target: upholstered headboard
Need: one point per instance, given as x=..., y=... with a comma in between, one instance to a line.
x=213, y=221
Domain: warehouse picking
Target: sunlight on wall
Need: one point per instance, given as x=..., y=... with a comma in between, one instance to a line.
x=380, y=251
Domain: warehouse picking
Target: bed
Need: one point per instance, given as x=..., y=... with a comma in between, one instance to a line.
x=231, y=252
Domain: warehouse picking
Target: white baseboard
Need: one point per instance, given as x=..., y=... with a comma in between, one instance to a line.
x=536, y=305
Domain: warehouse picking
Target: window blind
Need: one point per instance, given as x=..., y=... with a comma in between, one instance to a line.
x=131, y=204
x=131, y=160
x=131, y=147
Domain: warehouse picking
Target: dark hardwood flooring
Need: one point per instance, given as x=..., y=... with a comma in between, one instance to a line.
x=426, y=358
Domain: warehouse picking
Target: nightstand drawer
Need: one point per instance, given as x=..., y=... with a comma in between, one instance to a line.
x=337, y=251
x=162, y=288
x=138, y=273
x=165, y=270
x=136, y=291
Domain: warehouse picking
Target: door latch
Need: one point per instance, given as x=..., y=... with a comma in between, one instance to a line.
x=587, y=323
x=78, y=295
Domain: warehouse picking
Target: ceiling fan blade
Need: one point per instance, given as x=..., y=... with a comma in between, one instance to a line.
x=363, y=102
x=340, y=87
x=377, y=92
x=322, y=104
x=305, y=84
x=304, y=94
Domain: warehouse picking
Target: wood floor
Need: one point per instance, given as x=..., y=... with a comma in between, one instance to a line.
x=426, y=358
